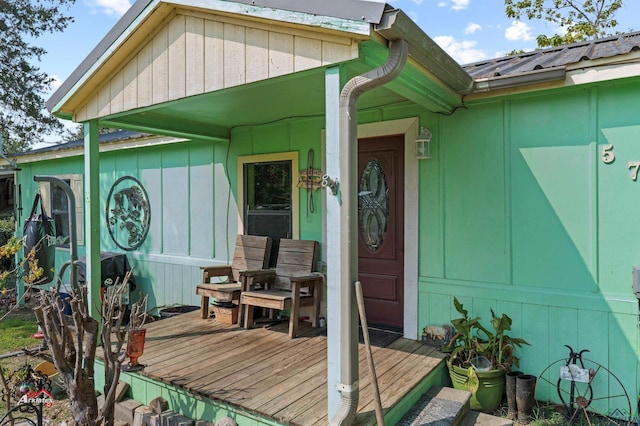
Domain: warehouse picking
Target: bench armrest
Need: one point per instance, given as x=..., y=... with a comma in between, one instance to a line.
x=308, y=278
x=216, y=271
x=261, y=276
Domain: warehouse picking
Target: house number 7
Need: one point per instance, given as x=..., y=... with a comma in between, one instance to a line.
x=635, y=165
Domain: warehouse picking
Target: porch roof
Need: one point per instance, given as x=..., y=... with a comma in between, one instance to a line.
x=207, y=67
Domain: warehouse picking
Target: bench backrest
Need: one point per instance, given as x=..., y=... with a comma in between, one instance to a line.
x=295, y=258
x=252, y=253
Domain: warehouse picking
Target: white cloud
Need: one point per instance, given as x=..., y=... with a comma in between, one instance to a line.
x=460, y=4
x=518, y=31
x=560, y=30
x=55, y=83
x=464, y=51
x=455, y=4
x=472, y=28
x=418, y=2
x=112, y=7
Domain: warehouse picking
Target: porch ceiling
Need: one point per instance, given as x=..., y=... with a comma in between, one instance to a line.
x=212, y=116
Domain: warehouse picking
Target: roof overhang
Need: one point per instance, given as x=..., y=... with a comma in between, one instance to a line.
x=424, y=51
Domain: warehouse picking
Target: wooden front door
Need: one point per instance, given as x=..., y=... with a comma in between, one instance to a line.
x=381, y=228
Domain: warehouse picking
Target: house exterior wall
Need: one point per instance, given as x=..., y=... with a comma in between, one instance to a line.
x=520, y=212
x=192, y=189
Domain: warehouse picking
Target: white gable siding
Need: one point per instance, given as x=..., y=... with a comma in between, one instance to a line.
x=196, y=54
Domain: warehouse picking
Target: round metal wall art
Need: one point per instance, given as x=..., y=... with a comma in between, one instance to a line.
x=128, y=213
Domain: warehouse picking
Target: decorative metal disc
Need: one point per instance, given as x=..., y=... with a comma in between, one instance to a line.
x=128, y=213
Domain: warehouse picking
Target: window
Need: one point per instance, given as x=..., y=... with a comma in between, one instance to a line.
x=55, y=199
x=269, y=197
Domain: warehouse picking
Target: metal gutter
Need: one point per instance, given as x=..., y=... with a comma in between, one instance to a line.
x=358, y=10
x=348, y=146
x=396, y=25
x=524, y=79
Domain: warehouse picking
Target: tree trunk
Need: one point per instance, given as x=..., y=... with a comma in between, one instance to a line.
x=73, y=341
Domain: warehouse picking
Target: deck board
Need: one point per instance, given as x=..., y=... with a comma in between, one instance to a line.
x=263, y=371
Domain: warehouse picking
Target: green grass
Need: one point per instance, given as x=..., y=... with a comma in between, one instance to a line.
x=16, y=331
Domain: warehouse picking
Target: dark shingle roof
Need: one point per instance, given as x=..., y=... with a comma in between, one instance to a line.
x=555, y=57
x=117, y=136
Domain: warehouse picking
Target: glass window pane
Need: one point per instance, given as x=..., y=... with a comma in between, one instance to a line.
x=269, y=186
x=268, y=209
x=373, y=205
x=60, y=213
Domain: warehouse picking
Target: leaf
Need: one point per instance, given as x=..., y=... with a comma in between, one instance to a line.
x=502, y=324
x=459, y=307
x=472, y=383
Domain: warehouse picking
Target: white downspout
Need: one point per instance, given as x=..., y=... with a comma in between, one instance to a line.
x=348, y=142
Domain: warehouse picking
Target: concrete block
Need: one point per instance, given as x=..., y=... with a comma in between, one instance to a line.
x=100, y=401
x=438, y=407
x=226, y=421
x=169, y=418
x=124, y=410
x=144, y=416
x=158, y=405
x=476, y=418
x=121, y=390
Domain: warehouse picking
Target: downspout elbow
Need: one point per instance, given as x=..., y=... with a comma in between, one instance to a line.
x=348, y=405
x=398, y=53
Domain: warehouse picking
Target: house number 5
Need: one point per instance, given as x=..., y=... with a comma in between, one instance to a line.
x=607, y=154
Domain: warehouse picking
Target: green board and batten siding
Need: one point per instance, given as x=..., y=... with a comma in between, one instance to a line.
x=194, y=219
x=519, y=213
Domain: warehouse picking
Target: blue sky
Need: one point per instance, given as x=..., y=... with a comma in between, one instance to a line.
x=469, y=30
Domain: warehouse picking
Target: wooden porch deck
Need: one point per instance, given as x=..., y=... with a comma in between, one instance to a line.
x=263, y=371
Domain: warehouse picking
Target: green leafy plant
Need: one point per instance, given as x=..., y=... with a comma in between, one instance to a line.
x=473, y=340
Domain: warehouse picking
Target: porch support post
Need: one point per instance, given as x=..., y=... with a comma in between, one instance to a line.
x=333, y=85
x=92, y=214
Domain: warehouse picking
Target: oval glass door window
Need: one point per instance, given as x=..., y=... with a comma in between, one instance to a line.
x=373, y=205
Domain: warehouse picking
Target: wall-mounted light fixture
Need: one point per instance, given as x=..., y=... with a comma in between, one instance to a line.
x=422, y=144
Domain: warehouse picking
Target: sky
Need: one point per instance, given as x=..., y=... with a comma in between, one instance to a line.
x=468, y=30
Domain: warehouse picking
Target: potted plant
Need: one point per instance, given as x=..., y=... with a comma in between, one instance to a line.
x=479, y=357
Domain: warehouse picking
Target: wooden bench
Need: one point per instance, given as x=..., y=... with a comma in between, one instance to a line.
x=251, y=253
x=293, y=284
